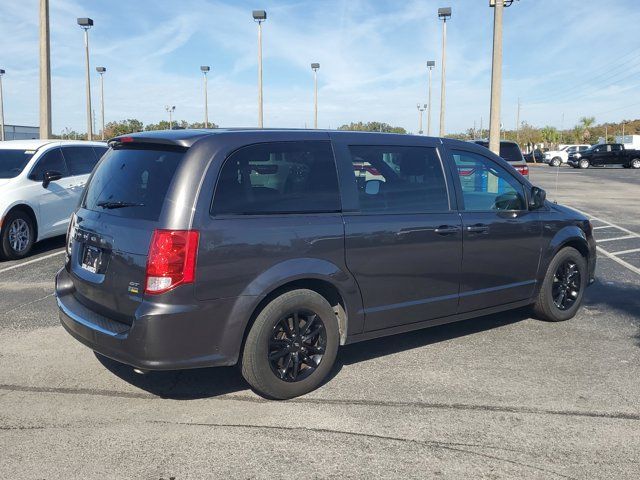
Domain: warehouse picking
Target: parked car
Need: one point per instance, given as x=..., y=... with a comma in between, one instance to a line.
x=605, y=154
x=555, y=158
x=199, y=248
x=536, y=157
x=41, y=182
x=510, y=151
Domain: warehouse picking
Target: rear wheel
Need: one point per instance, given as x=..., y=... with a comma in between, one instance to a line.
x=17, y=235
x=291, y=346
x=635, y=163
x=563, y=286
x=583, y=163
x=555, y=162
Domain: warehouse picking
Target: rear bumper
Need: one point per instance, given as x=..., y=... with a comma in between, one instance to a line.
x=162, y=336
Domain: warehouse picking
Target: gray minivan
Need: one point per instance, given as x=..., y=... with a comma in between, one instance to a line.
x=271, y=248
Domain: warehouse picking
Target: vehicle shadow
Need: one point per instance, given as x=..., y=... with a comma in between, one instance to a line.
x=213, y=382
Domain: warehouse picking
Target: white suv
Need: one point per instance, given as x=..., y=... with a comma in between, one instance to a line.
x=41, y=182
x=557, y=157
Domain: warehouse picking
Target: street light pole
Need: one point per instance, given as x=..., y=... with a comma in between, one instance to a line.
x=205, y=69
x=259, y=16
x=45, y=72
x=430, y=65
x=101, y=71
x=170, y=109
x=421, y=108
x=86, y=24
x=1, y=108
x=315, y=67
x=444, y=14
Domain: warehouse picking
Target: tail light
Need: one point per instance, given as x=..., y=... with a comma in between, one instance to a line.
x=523, y=169
x=172, y=259
x=71, y=233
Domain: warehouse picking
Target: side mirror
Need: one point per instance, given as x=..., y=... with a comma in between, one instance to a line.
x=50, y=176
x=537, y=198
x=372, y=187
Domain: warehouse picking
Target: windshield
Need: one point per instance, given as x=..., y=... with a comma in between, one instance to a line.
x=132, y=182
x=12, y=162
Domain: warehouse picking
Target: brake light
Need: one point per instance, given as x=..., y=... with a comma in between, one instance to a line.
x=71, y=233
x=172, y=260
x=523, y=169
x=126, y=139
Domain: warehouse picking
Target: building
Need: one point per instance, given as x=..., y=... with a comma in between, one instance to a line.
x=20, y=132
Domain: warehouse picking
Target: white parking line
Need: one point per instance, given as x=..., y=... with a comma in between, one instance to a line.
x=614, y=255
x=13, y=267
x=622, y=252
x=602, y=226
x=626, y=237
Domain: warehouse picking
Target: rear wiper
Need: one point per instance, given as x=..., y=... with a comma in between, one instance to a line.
x=118, y=204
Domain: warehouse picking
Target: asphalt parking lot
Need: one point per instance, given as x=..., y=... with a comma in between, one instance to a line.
x=504, y=396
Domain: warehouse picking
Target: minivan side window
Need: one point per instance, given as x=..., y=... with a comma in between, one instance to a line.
x=486, y=186
x=51, y=161
x=399, y=179
x=278, y=177
x=80, y=160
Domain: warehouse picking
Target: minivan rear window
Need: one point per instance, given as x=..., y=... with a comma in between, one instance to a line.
x=508, y=151
x=132, y=182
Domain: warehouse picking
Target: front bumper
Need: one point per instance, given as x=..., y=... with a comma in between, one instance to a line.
x=162, y=336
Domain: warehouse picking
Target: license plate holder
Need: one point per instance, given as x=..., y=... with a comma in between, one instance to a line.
x=91, y=259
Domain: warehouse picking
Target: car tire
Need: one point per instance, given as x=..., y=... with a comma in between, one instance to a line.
x=583, y=163
x=17, y=235
x=563, y=287
x=555, y=162
x=635, y=163
x=282, y=361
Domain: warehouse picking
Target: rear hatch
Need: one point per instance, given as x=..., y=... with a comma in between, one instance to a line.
x=111, y=232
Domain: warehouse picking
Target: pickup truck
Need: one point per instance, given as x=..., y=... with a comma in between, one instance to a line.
x=555, y=158
x=605, y=154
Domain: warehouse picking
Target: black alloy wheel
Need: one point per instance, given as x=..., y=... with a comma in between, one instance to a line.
x=566, y=285
x=297, y=345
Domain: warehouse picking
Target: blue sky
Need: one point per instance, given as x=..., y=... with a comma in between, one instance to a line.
x=571, y=57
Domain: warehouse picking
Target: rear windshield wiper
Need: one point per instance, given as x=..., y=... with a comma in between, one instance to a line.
x=118, y=204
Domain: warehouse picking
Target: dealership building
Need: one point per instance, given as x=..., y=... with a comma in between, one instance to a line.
x=20, y=132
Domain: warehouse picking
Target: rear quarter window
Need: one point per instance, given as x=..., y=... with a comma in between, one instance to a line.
x=132, y=182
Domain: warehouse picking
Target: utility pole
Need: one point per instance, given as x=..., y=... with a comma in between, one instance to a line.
x=1, y=108
x=430, y=65
x=444, y=14
x=518, y=122
x=45, y=72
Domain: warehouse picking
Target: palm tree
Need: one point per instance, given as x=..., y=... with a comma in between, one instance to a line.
x=585, y=123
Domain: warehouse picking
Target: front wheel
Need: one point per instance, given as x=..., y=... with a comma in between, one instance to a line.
x=555, y=162
x=563, y=287
x=583, y=164
x=291, y=346
x=17, y=236
x=635, y=163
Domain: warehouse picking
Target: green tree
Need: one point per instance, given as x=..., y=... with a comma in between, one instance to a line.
x=372, y=127
x=586, y=123
x=161, y=125
x=122, y=127
x=549, y=134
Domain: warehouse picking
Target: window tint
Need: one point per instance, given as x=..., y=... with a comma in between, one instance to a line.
x=616, y=148
x=393, y=179
x=582, y=149
x=51, y=161
x=136, y=177
x=12, y=162
x=278, y=177
x=80, y=160
x=508, y=151
x=100, y=151
x=486, y=185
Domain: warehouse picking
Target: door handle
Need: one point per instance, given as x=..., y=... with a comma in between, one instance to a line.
x=446, y=230
x=478, y=228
